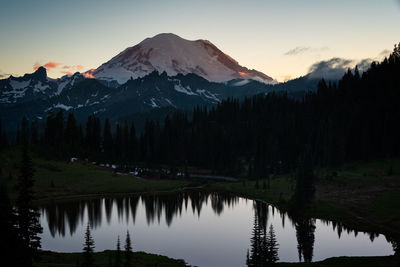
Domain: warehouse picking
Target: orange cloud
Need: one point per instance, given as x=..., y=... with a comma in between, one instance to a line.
x=48, y=65
x=51, y=65
x=66, y=67
x=89, y=74
x=79, y=67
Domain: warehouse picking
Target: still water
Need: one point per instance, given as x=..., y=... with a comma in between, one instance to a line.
x=203, y=229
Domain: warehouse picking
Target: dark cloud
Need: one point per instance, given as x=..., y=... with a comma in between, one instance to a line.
x=385, y=52
x=333, y=69
x=303, y=49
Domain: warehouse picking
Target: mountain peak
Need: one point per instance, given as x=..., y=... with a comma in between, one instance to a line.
x=40, y=74
x=173, y=54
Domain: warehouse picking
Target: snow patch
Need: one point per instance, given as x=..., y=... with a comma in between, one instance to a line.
x=169, y=102
x=241, y=83
x=62, y=106
x=153, y=103
x=185, y=90
x=208, y=95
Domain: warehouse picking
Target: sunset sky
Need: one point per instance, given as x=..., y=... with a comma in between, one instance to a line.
x=281, y=38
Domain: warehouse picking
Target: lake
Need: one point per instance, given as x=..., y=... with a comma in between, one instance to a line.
x=204, y=229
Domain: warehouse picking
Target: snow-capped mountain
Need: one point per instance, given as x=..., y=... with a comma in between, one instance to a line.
x=174, y=55
x=163, y=72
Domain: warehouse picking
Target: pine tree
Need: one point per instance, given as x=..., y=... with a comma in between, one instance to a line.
x=27, y=215
x=107, y=140
x=88, y=249
x=25, y=131
x=118, y=254
x=71, y=135
x=128, y=250
x=133, y=146
x=305, y=187
x=34, y=133
x=272, y=246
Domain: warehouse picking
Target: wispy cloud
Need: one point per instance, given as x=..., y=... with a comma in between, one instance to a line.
x=304, y=49
x=73, y=67
x=298, y=50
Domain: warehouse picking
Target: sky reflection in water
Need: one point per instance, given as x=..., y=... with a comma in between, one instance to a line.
x=203, y=229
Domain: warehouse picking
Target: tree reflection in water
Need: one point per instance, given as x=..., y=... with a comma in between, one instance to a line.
x=69, y=214
x=65, y=217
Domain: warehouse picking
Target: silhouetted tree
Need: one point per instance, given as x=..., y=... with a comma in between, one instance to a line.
x=107, y=140
x=305, y=187
x=88, y=249
x=118, y=254
x=272, y=246
x=305, y=229
x=128, y=250
x=27, y=215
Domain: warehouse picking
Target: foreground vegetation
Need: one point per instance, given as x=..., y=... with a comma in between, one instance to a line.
x=102, y=259
x=58, y=179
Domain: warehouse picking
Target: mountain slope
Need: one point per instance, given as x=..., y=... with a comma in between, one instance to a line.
x=175, y=55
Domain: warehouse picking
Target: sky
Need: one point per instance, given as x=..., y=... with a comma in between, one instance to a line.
x=282, y=38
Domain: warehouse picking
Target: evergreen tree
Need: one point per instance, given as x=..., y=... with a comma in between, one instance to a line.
x=305, y=229
x=27, y=215
x=88, y=249
x=107, y=140
x=272, y=246
x=34, y=133
x=118, y=254
x=133, y=144
x=128, y=250
x=71, y=136
x=25, y=131
x=305, y=187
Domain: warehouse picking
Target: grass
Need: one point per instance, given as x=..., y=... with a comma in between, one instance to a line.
x=102, y=259
x=57, y=179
